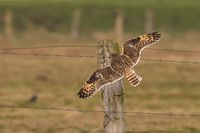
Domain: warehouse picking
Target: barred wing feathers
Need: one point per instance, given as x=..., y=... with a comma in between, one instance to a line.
x=134, y=46
x=97, y=81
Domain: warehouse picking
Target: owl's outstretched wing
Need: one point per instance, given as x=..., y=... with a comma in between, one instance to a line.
x=134, y=46
x=98, y=80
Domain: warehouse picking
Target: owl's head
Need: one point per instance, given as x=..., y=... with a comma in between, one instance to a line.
x=95, y=77
x=113, y=55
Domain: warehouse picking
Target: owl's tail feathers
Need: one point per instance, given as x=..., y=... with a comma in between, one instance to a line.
x=87, y=91
x=132, y=77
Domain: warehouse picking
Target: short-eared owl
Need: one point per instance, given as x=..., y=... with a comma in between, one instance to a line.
x=121, y=65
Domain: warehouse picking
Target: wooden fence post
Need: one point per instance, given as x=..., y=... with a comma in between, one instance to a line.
x=1, y=27
x=75, y=26
x=149, y=20
x=8, y=27
x=119, y=26
x=113, y=100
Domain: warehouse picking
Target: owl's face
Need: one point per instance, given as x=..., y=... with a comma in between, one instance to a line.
x=112, y=55
x=95, y=77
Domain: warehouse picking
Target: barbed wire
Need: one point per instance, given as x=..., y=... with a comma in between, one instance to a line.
x=91, y=56
x=93, y=46
x=54, y=55
x=172, y=61
x=174, y=50
x=51, y=46
x=100, y=111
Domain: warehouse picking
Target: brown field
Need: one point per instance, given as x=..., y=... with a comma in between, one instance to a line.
x=166, y=87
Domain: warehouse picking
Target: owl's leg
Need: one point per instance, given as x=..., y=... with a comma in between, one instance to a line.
x=132, y=77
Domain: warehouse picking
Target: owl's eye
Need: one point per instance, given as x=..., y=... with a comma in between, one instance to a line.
x=98, y=75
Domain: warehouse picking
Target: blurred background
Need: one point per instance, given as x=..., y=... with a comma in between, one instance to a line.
x=29, y=28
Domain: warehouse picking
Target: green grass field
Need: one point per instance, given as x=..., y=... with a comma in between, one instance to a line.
x=166, y=87
x=55, y=16
x=103, y=3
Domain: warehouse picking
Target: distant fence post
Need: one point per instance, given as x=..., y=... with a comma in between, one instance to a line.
x=149, y=20
x=119, y=26
x=113, y=100
x=8, y=26
x=0, y=26
x=75, y=25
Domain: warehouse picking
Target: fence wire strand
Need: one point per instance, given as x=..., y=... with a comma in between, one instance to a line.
x=94, y=46
x=174, y=50
x=53, y=55
x=172, y=61
x=51, y=46
x=91, y=56
x=99, y=111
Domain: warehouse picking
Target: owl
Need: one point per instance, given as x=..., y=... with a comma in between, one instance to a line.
x=122, y=65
